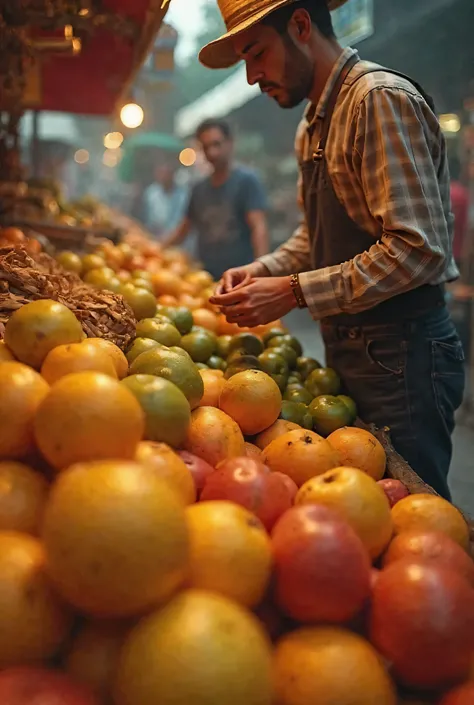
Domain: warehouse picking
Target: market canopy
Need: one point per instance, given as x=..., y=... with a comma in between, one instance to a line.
x=153, y=142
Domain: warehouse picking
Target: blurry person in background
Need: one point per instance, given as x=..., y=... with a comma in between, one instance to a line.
x=460, y=208
x=165, y=201
x=227, y=208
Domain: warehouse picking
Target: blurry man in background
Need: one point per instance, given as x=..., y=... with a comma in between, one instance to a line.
x=227, y=208
x=460, y=208
x=165, y=201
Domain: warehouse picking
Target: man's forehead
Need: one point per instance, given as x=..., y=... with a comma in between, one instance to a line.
x=244, y=42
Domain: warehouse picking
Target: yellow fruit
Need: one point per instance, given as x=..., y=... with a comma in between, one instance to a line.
x=168, y=465
x=276, y=430
x=65, y=359
x=330, y=666
x=113, y=351
x=428, y=512
x=253, y=399
x=94, y=654
x=301, y=455
x=358, y=499
x=21, y=392
x=33, y=620
x=230, y=551
x=200, y=649
x=70, y=261
x=23, y=495
x=88, y=416
x=92, y=261
x=142, y=302
x=6, y=355
x=359, y=449
x=38, y=327
x=214, y=436
x=115, y=538
x=213, y=385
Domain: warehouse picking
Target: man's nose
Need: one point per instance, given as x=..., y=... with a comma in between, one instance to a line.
x=253, y=76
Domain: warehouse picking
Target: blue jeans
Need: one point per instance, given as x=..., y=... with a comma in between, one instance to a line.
x=409, y=377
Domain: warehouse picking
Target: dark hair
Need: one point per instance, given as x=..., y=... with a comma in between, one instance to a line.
x=214, y=123
x=318, y=11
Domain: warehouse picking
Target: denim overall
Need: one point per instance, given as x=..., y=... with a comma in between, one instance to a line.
x=401, y=361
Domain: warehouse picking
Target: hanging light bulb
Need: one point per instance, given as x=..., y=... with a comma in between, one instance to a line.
x=132, y=115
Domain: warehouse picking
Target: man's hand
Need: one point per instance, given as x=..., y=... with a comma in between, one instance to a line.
x=257, y=302
x=237, y=277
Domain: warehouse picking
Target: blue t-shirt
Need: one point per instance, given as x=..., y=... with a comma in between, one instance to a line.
x=219, y=215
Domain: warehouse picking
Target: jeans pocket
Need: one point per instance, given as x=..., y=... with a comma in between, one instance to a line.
x=448, y=376
x=387, y=355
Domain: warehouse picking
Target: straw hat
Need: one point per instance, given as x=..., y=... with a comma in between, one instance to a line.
x=238, y=16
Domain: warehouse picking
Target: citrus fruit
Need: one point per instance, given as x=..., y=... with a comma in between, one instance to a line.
x=297, y=413
x=166, y=409
x=139, y=346
x=272, y=333
x=358, y=499
x=224, y=655
x=182, y=319
x=70, y=261
x=22, y=391
x=277, y=429
x=301, y=455
x=429, y=512
x=329, y=413
x=165, y=282
x=23, y=493
x=273, y=364
x=330, y=666
x=325, y=380
x=240, y=363
x=205, y=318
x=102, y=278
x=113, y=351
x=92, y=261
x=252, y=399
x=217, y=363
x=286, y=339
x=142, y=302
x=168, y=465
x=163, y=332
x=174, y=365
x=351, y=405
x=305, y=365
x=38, y=327
x=248, y=343
x=88, y=416
x=212, y=388
x=76, y=357
x=115, y=538
x=142, y=283
x=93, y=656
x=297, y=394
x=200, y=346
x=223, y=345
x=6, y=355
x=33, y=620
x=288, y=353
x=252, y=451
x=359, y=449
x=230, y=551
x=214, y=436
x=27, y=685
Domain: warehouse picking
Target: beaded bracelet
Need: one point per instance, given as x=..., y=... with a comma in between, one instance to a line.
x=297, y=291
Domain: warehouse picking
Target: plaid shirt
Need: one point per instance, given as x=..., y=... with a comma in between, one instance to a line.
x=386, y=157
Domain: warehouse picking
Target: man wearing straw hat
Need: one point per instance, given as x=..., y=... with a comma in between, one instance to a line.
x=374, y=249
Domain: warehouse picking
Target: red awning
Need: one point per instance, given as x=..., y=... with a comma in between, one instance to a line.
x=96, y=80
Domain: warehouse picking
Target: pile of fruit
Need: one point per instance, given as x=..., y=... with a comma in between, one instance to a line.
x=195, y=522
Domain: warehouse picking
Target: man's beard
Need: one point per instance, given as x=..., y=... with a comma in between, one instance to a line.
x=297, y=78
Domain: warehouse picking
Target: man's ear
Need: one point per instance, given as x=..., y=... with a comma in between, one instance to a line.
x=300, y=26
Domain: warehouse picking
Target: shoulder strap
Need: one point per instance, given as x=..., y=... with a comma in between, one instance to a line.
x=373, y=69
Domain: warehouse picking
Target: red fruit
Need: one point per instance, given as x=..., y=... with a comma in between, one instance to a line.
x=38, y=686
x=422, y=622
x=322, y=569
x=463, y=695
x=248, y=482
x=198, y=468
x=431, y=546
x=394, y=489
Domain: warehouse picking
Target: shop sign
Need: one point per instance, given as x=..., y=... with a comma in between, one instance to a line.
x=354, y=21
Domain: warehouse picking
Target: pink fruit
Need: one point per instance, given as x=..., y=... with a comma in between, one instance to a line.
x=394, y=489
x=38, y=686
x=198, y=468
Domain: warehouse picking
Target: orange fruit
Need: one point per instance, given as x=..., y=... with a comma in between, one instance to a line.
x=253, y=399
x=428, y=512
x=201, y=279
x=330, y=666
x=23, y=495
x=166, y=283
x=358, y=499
x=224, y=656
x=115, y=538
x=33, y=620
x=190, y=302
x=274, y=431
x=206, y=319
x=359, y=449
x=213, y=385
x=113, y=351
x=252, y=451
x=38, y=327
x=93, y=655
x=214, y=436
x=167, y=300
x=168, y=465
x=77, y=357
x=21, y=390
x=88, y=416
x=6, y=355
x=301, y=455
x=230, y=551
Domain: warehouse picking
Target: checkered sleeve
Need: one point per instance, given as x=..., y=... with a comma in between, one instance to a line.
x=395, y=136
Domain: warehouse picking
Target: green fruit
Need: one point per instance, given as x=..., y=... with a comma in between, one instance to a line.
x=272, y=333
x=164, y=333
x=182, y=318
x=223, y=342
x=251, y=344
x=216, y=363
x=273, y=364
x=288, y=354
x=143, y=284
x=138, y=346
x=325, y=380
x=163, y=319
x=329, y=413
x=281, y=380
x=295, y=378
x=141, y=301
x=305, y=365
x=199, y=346
x=246, y=362
x=286, y=340
x=297, y=394
x=201, y=366
x=235, y=355
x=351, y=405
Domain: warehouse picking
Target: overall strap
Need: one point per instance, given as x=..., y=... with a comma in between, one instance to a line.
x=426, y=96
